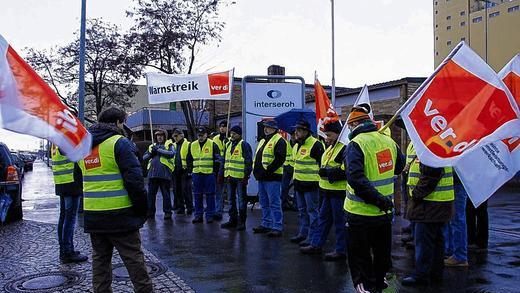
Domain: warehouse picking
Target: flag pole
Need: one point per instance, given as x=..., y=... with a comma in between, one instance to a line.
x=81, y=90
x=333, y=93
x=150, y=121
x=232, y=87
x=421, y=87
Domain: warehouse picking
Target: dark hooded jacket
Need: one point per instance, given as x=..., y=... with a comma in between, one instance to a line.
x=128, y=219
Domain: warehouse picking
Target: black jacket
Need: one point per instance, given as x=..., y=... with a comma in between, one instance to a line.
x=426, y=211
x=317, y=151
x=71, y=189
x=268, y=174
x=128, y=219
x=355, y=171
x=334, y=175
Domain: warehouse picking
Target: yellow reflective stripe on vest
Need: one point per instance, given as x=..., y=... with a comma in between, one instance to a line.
x=268, y=153
x=444, y=191
x=326, y=162
x=289, y=160
x=103, y=186
x=202, y=158
x=220, y=145
x=62, y=167
x=380, y=154
x=183, y=153
x=234, y=164
x=305, y=167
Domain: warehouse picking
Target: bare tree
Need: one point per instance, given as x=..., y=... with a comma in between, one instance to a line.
x=168, y=33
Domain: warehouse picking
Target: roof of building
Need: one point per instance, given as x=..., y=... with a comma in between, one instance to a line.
x=162, y=117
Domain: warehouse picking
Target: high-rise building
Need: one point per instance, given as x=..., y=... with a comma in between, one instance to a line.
x=490, y=27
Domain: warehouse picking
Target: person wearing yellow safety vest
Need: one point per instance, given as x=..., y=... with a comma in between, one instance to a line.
x=160, y=167
x=221, y=140
x=333, y=183
x=114, y=202
x=69, y=187
x=238, y=162
x=288, y=171
x=203, y=162
x=410, y=157
x=372, y=160
x=430, y=208
x=182, y=182
x=270, y=155
x=307, y=153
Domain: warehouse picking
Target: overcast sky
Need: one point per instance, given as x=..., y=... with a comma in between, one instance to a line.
x=376, y=40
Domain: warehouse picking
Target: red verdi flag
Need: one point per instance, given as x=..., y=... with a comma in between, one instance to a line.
x=510, y=74
x=325, y=112
x=464, y=104
x=29, y=106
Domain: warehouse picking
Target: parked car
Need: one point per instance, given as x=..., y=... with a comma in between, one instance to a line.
x=28, y=160
x=10, y=184
x=20, y=164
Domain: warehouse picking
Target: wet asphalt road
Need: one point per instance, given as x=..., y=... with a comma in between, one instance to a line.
x=211, y=259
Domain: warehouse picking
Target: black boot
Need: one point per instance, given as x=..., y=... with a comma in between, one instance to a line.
x=241, y=226
x=229, y=225
x=73, y=257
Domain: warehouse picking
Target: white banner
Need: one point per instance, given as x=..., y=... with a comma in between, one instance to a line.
x=164, y=88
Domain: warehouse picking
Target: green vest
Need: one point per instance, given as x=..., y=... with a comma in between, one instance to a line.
x=305, y=167
x=184, y=153
x=380, y=154
x=268, y=153
x=220, y=144
x=444, y=190
x=202, y=158
x=410, y=153
x=289, y=161
x=235, y=164
x=62, y=167
x=331, y=154
x=103, y=188
x=168, y=162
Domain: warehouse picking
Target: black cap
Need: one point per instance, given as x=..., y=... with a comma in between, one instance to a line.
x=333, y=127
x=222, y=123
x=270, y=123
x=236, y=129
x=303, y=125
x=177, y=131
x=201, y=129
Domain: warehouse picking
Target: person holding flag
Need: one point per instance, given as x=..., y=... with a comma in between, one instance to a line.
x=372, y=160
x=221, y=140
x=333, y=183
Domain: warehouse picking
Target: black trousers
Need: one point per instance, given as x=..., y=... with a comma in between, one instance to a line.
x=369, y=254
x=182, y=194
x=128, y=245
x=478, y=224
x=154, y=185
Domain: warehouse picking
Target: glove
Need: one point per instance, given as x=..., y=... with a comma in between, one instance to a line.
x=324, y=172
x=385, y=204
x=153, y=153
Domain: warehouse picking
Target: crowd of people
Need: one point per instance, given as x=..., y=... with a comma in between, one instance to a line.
x=348, y=187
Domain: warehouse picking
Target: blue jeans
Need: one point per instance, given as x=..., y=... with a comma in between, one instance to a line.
x=331, y=211
x=286, y=182
x=238, y=209
x=68, y=214
x=308, y=204
x=456, y=238
x=270, y=198
x=429, y=250
x=219, y=199
x=204, y=184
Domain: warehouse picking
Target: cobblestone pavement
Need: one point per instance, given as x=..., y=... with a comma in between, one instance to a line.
x=31, y=248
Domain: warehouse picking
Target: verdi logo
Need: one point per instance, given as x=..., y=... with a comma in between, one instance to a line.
x=93, y=161
x=218, y=83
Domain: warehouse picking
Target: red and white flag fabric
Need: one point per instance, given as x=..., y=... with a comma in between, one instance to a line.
x=363, y=98
x=29, y=106
x=325, y=112
x=462, y=106
x=486, y=169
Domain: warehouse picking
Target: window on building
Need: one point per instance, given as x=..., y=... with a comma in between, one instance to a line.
x=436, y=38
x=436, y=26
x=477, y=19
x=435, y=2
x=463, y=23
x=514, y=8
x=494, y=14
x=462, y=13
x=436, y=11
x=448, y=43
x=462, y=39
x=448, y=17
x=448, y=27
x=436, y=53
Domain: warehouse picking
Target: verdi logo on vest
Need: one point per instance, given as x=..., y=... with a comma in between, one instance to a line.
x=303, y=152
x=206, y=150
x=93, y=161
x=236, y=152
x=384, y=161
